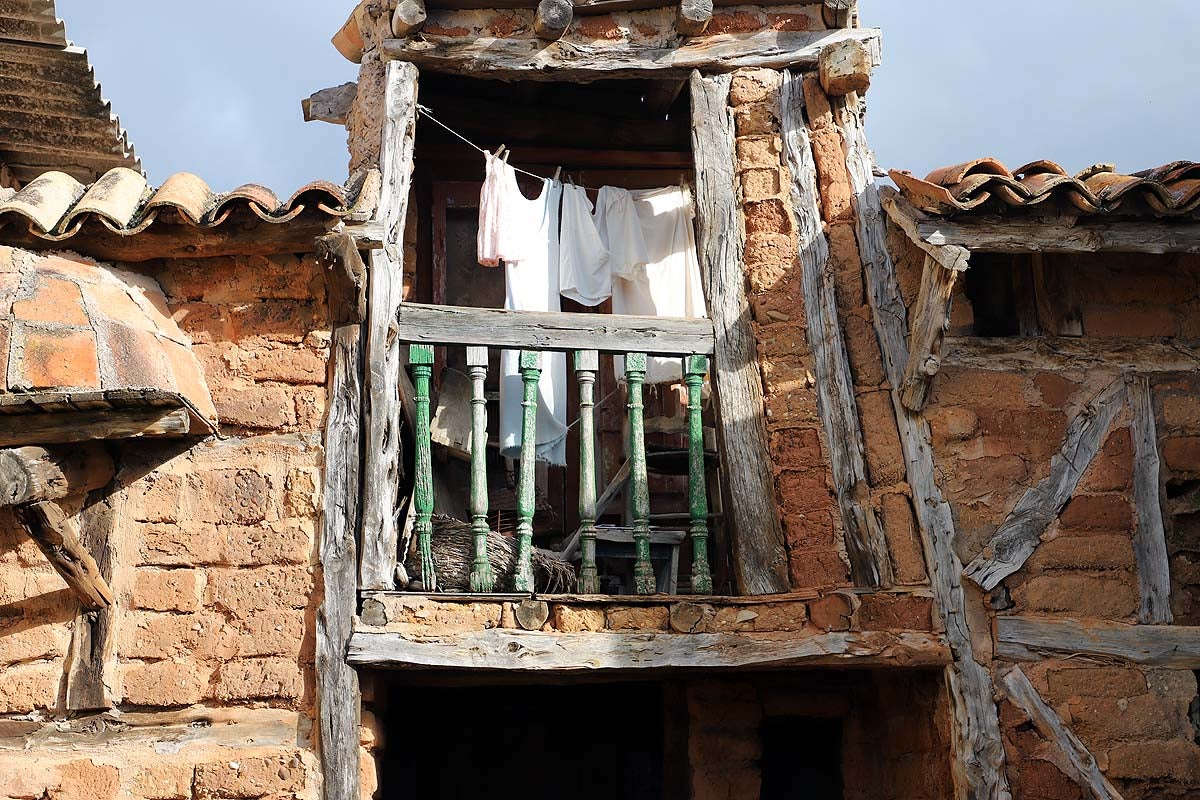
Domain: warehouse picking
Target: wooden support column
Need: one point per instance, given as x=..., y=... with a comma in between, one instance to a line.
x=1019, y=535
x=1075, y=759
x=760, y=557
x=1149, y=541
x=692, y=17
x=552, y=19
x=381, y=469
x=979, y=749
x=865, y=542
x=931, y=319
x=483, y=578
x=338, y=701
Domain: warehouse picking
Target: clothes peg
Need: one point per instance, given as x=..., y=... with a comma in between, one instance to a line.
x=557, y=172
x=499, y=150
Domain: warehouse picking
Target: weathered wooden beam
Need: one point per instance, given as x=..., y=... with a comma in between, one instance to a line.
x=337, y=683
x=330, y=105
x=38, y=473
x=836, y=404
x=909, y=217
x=552, y=18
x=1074, y=759
x=845, y=67
x=408, y=18
x=996, y=235
x=838, y=13
x=1069, y=354
x=525, y=651
x=692, y=17
x=1032, y=639
x=1019, y=535
x=79, y=426
x=345, y=277
x=760, y=556
x=57, y=536
x=532, y=59
x=562, y=331
x=931, y=318
x=1149, y=540
x=978, y=746
x=381, y=458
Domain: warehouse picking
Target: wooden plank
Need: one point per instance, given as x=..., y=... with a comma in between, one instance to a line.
x=579, y=158
x=331, y=104
x=1149, y=540
x=532, y=651
x=1069, y=354
x=38, y=473
x=996, y=235
x=1075, y=760
x=381, y=457
x=562, y=331
x=760, y=560
x=978, y=746
x=533, y=59
x=865, y=542
x=57, y=536
x=931, y=318
x=1033, y=639
x=337, y=683
x=79, y=426
x=1019, y=535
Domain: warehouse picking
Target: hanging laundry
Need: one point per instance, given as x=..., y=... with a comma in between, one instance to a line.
x=583, y=269
x=668, y=284
x=620, y=231
x=494, y=240
x=531, y=284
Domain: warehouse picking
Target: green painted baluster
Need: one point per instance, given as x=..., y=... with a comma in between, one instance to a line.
x=587, y=362
x=531, y=372
x=643, y=571
x=420, y=356
x=693, y=376
x=483, y=579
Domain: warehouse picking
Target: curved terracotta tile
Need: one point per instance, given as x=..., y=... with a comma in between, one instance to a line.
x=1043, y=167
x=186, y=193
x=45, y=200
x=956, y=173
x=325, y=193
x=115, y=198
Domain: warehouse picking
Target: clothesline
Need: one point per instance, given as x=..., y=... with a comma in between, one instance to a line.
x=425, y=112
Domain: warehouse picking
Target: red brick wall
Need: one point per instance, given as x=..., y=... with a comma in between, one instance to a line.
x=215, y=575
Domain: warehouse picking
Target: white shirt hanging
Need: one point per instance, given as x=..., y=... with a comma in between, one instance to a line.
x=583, y=268
x=620, y=231
x=531, y=229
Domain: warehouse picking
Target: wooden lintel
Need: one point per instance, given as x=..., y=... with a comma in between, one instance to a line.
x=838, y=13
x=533, y=59
x=1070, y=354
x=1019, y=535
x=79, y=426
x=562, y=331
x=532, y=651
x=866, y=544
x=330, y=105
x=760, y=560
x=1074, y=759
x=58, y=538
x=930, y=319
x=1004, y=235
x=37, y=473
x=1034, y=639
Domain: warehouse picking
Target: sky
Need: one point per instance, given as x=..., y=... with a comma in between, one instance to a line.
x=215, y=87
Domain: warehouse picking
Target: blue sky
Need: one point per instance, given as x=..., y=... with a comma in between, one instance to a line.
x=215, y=87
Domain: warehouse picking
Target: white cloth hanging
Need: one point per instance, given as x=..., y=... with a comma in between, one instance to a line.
x=668, y=284
x=620, y=231
x=528, y=246
x=583, y=270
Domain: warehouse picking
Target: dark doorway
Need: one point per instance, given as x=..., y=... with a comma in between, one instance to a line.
x=801, y=758
x=589, y=742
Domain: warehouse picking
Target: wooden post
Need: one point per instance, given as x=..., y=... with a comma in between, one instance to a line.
x=587, y=362
x=420, y=356
x=57, y=536
x=337, y=683
x=531, y=373
x=1149, y=540
x=381, y=534
x=760, y=558
x=695, y=368
x=931, y=318
x=639, y=488
x=483, y=579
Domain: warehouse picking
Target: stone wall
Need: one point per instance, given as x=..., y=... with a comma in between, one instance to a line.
x=209, y=656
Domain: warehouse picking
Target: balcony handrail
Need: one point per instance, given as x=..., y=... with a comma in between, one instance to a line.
x=561, y=331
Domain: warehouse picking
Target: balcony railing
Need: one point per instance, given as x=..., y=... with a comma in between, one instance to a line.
x=533, y=334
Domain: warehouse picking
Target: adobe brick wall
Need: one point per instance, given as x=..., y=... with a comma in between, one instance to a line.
x=216, y=571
